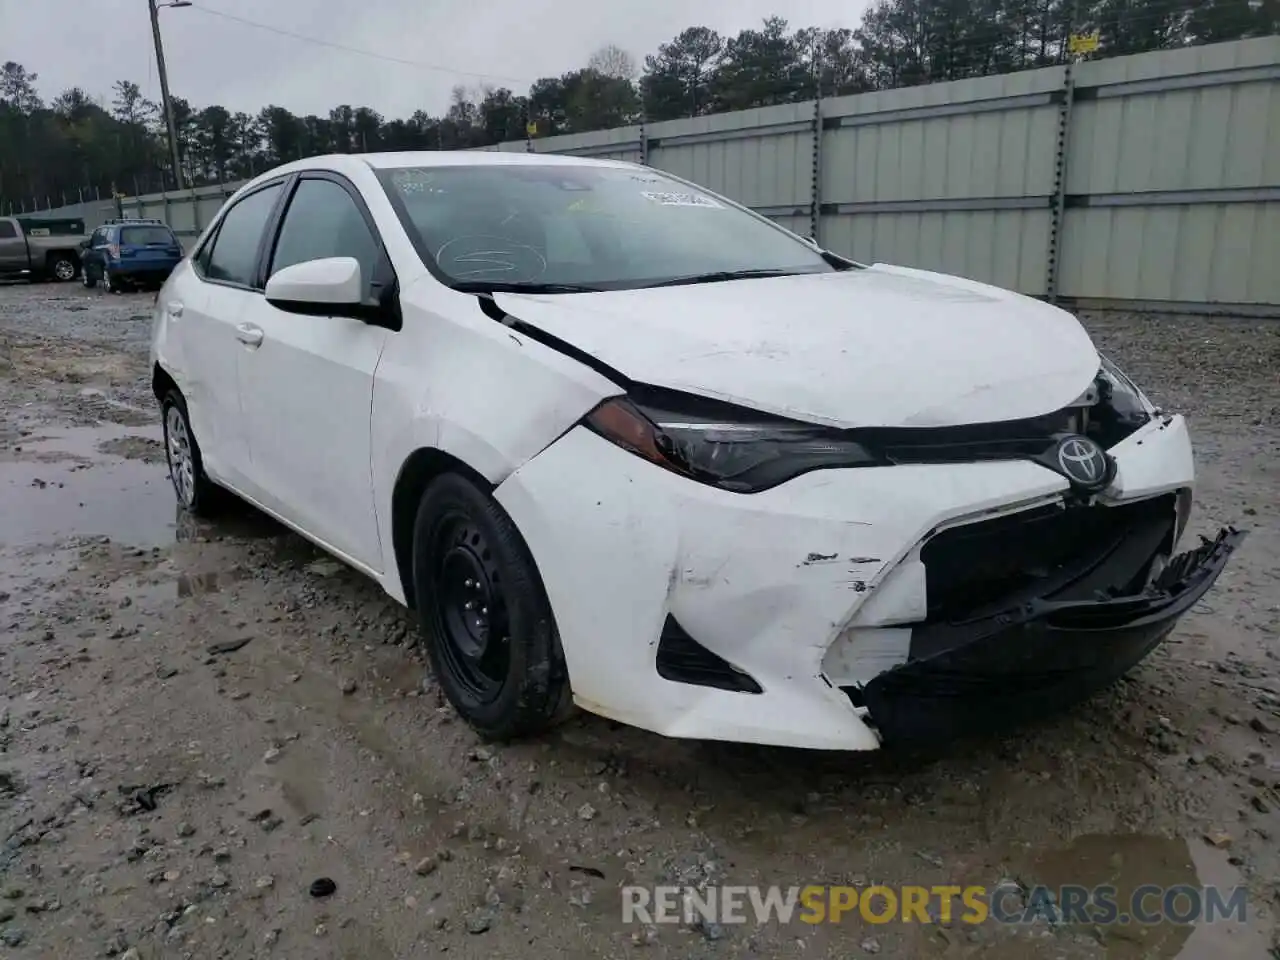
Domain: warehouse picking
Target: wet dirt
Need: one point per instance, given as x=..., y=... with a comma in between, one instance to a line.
x=198, y=721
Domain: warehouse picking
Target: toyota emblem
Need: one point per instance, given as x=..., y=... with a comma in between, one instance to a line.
x=1083, y=462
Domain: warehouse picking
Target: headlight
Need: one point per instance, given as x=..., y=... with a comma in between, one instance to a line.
x=740, y=451
x=1124, y=393
x=1120, y=409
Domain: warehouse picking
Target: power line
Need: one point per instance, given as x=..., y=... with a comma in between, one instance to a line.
x=279, y=31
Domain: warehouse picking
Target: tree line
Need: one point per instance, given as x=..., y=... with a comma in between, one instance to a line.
x=61, y=150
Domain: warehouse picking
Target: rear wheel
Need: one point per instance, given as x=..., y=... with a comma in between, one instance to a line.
x=109, y=284
x=63, y=267
x=485, y=617
x=196, y=493
x=87, y=278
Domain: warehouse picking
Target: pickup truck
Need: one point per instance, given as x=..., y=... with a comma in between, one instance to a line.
x=30, y=251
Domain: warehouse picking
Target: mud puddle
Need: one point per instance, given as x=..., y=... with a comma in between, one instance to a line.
x=1172, y=877
x=68, y=482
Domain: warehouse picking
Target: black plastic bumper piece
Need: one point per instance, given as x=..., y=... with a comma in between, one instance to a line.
x=1036, y=658
x=681, y=659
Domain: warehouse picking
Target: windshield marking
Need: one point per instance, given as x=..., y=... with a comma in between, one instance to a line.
x=679, y=199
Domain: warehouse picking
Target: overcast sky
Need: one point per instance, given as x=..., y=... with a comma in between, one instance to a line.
x=213, y=59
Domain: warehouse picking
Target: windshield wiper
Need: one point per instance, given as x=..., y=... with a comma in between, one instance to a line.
x=485, y=286
x=719, y=276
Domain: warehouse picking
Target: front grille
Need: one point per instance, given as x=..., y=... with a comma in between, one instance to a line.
x=1060, y=552
x=682, y=659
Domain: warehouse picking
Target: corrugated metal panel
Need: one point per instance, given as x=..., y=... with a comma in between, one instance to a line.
x=1004, y=247
x=1193, y=253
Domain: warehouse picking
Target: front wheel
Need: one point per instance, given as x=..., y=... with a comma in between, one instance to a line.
x=485, y=617
x=196, y=492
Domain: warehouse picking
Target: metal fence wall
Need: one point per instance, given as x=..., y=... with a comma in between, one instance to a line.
x=1150, y=181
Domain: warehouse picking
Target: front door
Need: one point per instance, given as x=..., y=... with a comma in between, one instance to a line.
x=306, y=385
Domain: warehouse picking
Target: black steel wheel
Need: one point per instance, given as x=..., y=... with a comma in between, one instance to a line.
x=485, y=617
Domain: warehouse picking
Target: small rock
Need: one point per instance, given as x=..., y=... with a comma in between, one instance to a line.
x=1259, y=804
x=186, y=830
x=646, y=936
x=221, y=855
x=1232, y=718
x=712, y=931
x=426, y=866
x=271, y=756
x=1221, y=840
x=131, y=954
x=264, y=883
x=322, y=887
x=479, y=923
x=348, y=687
x=871, y=945
x=219, y=879
x=1260, y=726
x=13, y=937
x=586, y=812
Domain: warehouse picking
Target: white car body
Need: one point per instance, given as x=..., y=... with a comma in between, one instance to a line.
x=812, y=587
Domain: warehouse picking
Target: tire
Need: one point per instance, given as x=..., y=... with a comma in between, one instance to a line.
x=63, y=267
x=109, y=285
x=505, y=689
x=196, y=493
x=87, y=278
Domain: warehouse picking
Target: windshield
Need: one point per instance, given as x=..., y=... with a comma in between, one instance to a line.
x=563, y=228
x=142, y=236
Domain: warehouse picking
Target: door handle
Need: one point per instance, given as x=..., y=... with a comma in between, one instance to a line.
x=249, y=334
x=174, y=308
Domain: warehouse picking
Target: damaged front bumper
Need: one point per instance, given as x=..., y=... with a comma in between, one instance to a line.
x=811, y=614
x=1027, y=661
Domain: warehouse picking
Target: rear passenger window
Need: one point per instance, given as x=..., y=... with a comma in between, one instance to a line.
x=235, y=248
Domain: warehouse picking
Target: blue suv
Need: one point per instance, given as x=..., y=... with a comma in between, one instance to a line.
x=129, y=253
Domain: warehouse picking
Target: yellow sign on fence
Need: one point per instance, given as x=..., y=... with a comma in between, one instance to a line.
x=531, y=128
x=1083, y=42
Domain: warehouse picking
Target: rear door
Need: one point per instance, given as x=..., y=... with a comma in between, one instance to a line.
x=205, y=310
x=307, y=388
x=13, y=248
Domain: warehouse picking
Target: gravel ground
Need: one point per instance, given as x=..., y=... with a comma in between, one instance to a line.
x=164, y=795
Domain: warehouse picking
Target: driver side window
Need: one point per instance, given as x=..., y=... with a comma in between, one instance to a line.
x=323, y=221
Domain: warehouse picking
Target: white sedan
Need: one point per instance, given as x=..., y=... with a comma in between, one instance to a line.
x=623, y=443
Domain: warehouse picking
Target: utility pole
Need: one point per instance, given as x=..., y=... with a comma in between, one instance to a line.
x=164, y=84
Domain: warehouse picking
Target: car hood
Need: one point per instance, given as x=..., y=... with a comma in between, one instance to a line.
x=880, y=346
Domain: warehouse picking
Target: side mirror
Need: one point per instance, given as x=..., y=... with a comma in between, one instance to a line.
x=330, y=287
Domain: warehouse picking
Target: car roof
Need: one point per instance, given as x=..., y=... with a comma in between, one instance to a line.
x=480, y=158
x=349, y=163
x=352, y=164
